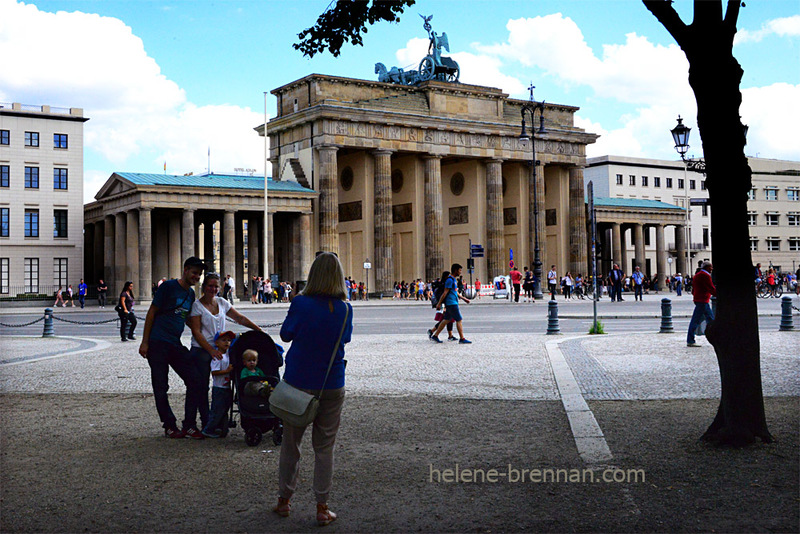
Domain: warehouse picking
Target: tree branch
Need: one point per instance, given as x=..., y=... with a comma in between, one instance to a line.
x=669, y=18
x=732, y=13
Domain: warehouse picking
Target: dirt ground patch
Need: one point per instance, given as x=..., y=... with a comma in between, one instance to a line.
x=98, y=463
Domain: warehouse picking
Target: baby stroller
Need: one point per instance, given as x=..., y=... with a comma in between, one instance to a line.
x=254, y=414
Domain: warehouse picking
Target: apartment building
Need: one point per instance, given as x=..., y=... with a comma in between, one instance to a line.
x=41, y=199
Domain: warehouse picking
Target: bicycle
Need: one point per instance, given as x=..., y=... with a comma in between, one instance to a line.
x=765, y=291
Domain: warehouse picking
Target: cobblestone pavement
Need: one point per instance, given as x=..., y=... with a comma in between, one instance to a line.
x=502, y=367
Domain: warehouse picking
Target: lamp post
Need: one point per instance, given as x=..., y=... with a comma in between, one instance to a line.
x=680, y=134
x=530, y=107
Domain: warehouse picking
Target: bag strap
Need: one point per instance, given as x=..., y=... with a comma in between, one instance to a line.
x=335, y=349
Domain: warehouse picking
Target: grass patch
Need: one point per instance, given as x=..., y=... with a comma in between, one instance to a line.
x=597, y=328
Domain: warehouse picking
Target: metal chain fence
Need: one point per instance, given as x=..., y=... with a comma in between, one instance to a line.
x=22, y=325
x=85, y=322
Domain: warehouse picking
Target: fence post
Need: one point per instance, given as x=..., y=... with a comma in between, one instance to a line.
x=48, y=323
x=666, y=317
x=552, y=318
x=786, y=314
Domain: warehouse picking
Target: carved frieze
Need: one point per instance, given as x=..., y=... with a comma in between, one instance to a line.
x=459, y=215
x=402, y=213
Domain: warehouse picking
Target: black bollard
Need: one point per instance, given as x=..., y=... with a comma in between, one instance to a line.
x=666, y=317
x=714, y=307
x=48, y=323
x=552, y=318
x=786, y=314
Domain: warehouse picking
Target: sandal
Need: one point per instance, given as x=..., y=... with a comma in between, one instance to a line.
x=283, y=508
x=324, y=515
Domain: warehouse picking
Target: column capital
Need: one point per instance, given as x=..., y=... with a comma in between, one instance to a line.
x=496, y=160
x=431, y=156
x=383, y=151
x=145, y=208
x=332, y=148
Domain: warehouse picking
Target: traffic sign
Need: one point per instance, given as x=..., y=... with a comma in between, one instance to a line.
x=698, y=202
x=476, y=251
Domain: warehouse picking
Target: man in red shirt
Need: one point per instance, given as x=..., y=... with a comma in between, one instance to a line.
x=516, y=280
x=702, y=290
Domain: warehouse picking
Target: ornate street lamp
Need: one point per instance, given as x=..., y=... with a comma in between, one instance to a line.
x=530, y=107
x=680, y=134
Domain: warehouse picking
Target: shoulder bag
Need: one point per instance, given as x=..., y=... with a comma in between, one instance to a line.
x=295, y=406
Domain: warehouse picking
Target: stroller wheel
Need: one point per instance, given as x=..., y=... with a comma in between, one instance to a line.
x=277, y=435
x=253, y=437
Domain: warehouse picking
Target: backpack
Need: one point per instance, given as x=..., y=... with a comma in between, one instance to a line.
x=438, y=290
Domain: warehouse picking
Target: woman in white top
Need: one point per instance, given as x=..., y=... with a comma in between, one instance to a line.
x=206, y=320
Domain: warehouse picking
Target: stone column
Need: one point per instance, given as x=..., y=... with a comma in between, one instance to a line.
x=383, y=221
x=209, y=252
x=120, y=257
x=132, y=254
x=680, y=245
x=145, y=251
x=661, y=257
x=536, y=188
x=434, y=229
x=89, y=253
x=494, y=218
x=99, y=253
x=175, y=268
x=239, y=274
x=616, y=237
x=269, y=242
x=254, y=267
x=306, y=257
x=578, y=262
x=228, y=245
x=160, y=230
x=109, y=256
x=328, y=199
x=638, y=234
x=626, y=268
x=187, y=236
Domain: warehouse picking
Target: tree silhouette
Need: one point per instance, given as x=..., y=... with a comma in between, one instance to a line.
x=714, y=75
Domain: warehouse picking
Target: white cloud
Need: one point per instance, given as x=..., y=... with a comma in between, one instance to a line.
x=782, y=27
x=772, y=116
x=134, y=109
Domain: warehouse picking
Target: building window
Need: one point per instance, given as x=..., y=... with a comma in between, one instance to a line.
x=4, y=276
x=31, y=223
x=770, y=194
x=4, y=137
x=59, y=140
x=60, y=276
x=772, y=219
x=656, y=181
x=794, y=244
x=4, y=172
x=704, y=208
x=31, y=275
x=706, y=238
x=60, y=179
x=644, y=181
x=793, y=219
x=31, y=138
x=702, y=185
x=773, y=243
x=680, y=183
x=753, y=243
x=751, y=195
x=4, y=217
x=31, y=177
x=59, y=223
x=669, y=183
x=692, y=184
x=632, y=179
x=793, y=194
x=752, y=218
x=619, y=179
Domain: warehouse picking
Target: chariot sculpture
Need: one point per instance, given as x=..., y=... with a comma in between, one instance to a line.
x=434, y=66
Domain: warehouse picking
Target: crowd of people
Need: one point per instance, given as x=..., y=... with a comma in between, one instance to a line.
x=261, y=291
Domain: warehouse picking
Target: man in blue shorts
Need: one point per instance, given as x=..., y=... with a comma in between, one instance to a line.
x=161, y=345
x=450, y=298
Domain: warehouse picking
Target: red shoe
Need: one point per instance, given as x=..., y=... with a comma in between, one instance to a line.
x=324, y=515
x=174, y=433
x=283, y=508
x=193, y=433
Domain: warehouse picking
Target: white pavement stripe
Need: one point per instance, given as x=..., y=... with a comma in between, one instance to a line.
x=589, y=439
x=97, y=345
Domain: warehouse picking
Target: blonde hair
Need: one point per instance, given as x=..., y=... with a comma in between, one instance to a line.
x=326, y=277
x=249, y=354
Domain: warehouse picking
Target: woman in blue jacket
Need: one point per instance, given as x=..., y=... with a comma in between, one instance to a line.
x=313, y=324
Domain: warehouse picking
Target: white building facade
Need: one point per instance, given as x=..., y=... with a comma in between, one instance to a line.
x=774, y=206
x=41, y=199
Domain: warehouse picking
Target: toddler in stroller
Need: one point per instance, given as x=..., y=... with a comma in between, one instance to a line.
x=251, y=393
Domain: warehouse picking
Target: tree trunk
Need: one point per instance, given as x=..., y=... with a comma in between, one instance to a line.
x=715, y=75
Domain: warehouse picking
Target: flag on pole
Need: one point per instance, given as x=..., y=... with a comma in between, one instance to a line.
x=165, y=167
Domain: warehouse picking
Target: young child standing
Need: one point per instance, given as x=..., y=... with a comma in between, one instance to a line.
x=221, y=397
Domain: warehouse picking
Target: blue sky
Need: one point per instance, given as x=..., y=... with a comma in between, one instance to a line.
x=164, y=81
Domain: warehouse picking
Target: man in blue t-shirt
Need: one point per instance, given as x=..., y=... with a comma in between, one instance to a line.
x=450, y=298
x=82, y=288
x=161, y=345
